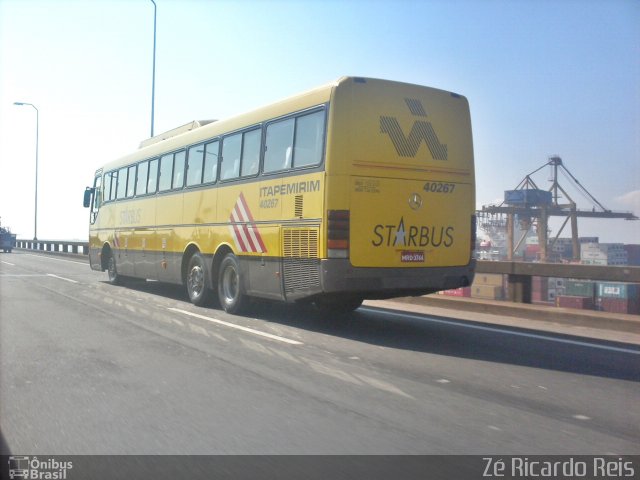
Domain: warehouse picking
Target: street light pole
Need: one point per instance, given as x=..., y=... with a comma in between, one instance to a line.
x=153, y=80
x=35, y=218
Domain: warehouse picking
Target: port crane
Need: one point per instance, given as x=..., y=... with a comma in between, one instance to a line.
x=529, y=204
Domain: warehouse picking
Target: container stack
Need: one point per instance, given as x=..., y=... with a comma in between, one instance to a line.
x=618, y=297
x=555, y=287
x=578, y=294
x=488, y=286
x=540, y=290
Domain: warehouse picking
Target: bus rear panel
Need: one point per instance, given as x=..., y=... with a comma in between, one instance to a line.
x=400, y=181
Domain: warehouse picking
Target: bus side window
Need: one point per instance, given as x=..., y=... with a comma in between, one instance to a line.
x=131, y=184
x=278, y=145
x=309, y=140
x=113, y=180
x=107, y=186
x=97, y=202
x=231, y=150
x=194, y=165
x=166, y=171
x=178, y=169
x=97, y=198
x=251, y=152
x=122, y=183
x=143, y=174
x=152, y=184
x=211, y=162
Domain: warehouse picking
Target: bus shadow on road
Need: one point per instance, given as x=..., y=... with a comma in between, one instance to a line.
x=441, y=336
x=470, y=340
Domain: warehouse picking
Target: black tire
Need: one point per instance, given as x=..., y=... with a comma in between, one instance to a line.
x=114, y=277
x=337, y=305
x=197, y=280
x=232, y=300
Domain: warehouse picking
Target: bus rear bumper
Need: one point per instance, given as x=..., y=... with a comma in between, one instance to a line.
x=339, y=276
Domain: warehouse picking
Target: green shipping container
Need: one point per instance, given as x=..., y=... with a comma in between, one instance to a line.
x=627, y=291
x=575, y=288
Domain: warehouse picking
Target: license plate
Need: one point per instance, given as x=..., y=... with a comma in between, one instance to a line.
x=407, y=256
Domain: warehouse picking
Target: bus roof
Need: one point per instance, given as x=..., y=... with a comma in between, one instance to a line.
x=190, y=133
x=198, y=131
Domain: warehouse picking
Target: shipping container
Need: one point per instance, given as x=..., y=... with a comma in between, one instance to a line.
x=539, y=297
x=568, y=301
x=556, y=282
x=579, y=288
x=618, y=290
x=458, y=292
x=619, y=305
x=539, y=284
x=529, y=196
x=495, y=279
x=487, y=292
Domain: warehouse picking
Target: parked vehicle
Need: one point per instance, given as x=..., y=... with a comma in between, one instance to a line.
x=7, y=239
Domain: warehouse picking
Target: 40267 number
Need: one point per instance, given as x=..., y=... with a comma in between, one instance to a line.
x=439, y=187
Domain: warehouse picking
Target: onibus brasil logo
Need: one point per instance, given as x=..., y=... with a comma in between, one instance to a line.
x=38, y=469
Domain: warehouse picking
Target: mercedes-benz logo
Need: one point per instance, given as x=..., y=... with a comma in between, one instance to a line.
x=415, y=201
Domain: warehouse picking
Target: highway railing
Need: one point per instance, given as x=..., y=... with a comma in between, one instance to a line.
x=54, y=246
x=519, y=274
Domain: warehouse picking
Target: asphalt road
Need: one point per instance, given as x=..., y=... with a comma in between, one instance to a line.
x=90, y=368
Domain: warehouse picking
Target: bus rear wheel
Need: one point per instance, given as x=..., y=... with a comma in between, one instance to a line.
x=196, y=280
x=230, y=293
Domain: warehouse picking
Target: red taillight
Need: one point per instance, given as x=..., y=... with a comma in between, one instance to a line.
x=338, y=233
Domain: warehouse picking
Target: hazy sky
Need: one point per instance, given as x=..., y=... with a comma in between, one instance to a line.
x=542, y=78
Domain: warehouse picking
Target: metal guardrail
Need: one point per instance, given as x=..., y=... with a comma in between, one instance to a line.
x=55, y=246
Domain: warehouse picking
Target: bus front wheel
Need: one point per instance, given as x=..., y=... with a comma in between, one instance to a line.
x=112, y=271
x=197, y=285
x=230, y=293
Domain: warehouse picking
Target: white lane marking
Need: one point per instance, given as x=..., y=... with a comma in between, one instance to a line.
x=7, y=263
x=508, y=332
x=238, y=327
x=581, y=417
x=22, y=275
x=333, y=372
x=57, y=259
x=380, y=385
x=61, y=278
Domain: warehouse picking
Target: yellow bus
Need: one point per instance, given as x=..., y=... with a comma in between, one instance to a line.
x=358, y=189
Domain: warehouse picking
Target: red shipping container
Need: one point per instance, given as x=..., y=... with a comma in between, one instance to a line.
x=582, y=303
x=539, y=296
x=540, y=285
x=458, y=292
x=619, y=305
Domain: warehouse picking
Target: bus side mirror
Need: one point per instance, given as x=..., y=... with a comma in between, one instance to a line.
x=88, y=193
